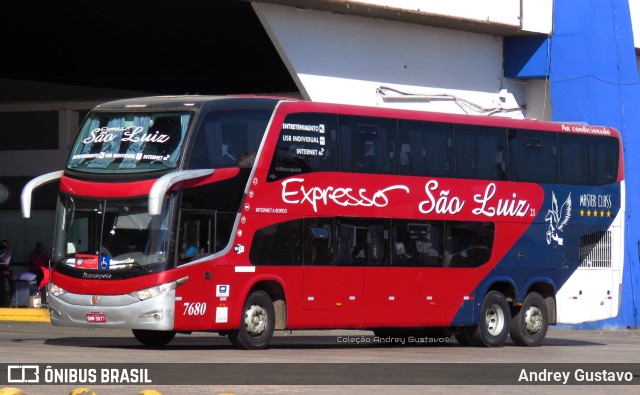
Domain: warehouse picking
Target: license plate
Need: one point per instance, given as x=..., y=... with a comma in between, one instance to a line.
x=96, y=317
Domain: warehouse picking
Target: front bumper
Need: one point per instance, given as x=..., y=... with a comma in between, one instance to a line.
x=119, y=311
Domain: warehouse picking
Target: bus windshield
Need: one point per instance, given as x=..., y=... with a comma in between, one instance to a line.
x=129, y=142
x=101, y=235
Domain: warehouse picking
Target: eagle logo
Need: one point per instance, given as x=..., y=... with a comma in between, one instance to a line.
x=557, y=218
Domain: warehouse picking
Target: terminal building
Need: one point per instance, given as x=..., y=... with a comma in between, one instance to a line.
x=562, y=60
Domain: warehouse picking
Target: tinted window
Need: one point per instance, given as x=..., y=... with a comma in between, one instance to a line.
x=533, y=156
x=229, y=139
x=588, y=160
x=481, y=152
x=196, y=231
x=426, y=149
x=417, y=243
x=222, y=199
x=279, y=244
x=468, y=244
x=368, y=145
x=372, y=242
x=319, y=241
x=307, y=143
x=362, y=242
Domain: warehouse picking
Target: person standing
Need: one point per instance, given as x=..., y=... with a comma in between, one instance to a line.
x=39, y=258
x=5, y=273
x=39, y=265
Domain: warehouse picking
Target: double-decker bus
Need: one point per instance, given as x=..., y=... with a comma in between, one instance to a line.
x=245, y=215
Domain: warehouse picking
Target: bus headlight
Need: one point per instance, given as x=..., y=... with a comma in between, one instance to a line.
x=55, y=290
x=152, y=292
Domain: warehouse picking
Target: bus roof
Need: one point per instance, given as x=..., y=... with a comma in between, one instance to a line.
x=181, y=102
x=385, y=112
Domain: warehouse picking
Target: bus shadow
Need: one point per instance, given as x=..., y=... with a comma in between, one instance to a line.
x=185, y=342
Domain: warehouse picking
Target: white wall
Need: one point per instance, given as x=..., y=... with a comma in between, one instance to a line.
x=345, y=59
x=505, y=12
x=535, y=15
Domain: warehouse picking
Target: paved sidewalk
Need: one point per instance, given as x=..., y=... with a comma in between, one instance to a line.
x=24, y=314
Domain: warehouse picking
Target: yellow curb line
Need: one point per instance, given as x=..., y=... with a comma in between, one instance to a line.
x=24, y=314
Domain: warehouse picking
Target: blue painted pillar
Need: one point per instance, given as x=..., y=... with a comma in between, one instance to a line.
x=593, y=77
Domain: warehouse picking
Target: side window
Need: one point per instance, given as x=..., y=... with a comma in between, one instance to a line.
x=426, y=149
x=195, y=235
x=481, y=152
x=229, y=138
x=468, y=244
x=368, y=145
x=533, y=156
x=319, y=241
x=307, y=143
x=362, y=242
x=417, y=243
x=277, y=245
x=588, y=160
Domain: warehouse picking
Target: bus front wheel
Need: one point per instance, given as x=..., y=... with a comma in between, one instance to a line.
x=495, y=319
x=529, y=326
x=257, y=324
x=153, y=338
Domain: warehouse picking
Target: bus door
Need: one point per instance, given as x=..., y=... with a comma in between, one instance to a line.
x=332, y=279
x=195, y=308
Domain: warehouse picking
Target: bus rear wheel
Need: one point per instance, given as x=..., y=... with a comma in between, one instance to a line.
x=258, y=323
x=153, y=338
x=495, y=320
x=529, y=326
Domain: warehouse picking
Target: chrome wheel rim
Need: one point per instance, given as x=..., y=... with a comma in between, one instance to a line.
x=255, y=320
x=494, y=320
x=533, y=320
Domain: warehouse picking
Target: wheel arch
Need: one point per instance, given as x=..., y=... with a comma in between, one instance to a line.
x=505, y=285
x=546, y=288
x=273, y=287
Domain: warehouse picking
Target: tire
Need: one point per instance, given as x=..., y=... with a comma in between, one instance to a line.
x=495, y=320
x=529, y=326
x=153, y=338
x=257, y=323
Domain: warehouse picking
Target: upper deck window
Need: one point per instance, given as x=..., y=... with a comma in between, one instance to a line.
x=128, y=142
x=533, y=156
x=588, y=160
x=307, y=143
x=368, y=145
x=481, y=152
x=426, y=149
x=229, y=138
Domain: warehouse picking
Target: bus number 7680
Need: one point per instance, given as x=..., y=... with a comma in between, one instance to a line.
x=194, y=308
